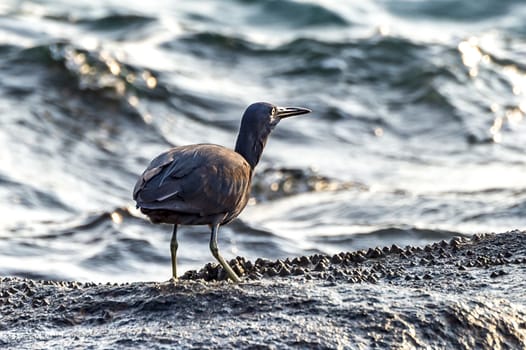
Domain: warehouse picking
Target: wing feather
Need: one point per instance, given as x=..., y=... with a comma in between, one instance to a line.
x=199, y=179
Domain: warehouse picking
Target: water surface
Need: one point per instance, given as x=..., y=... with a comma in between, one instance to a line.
x=417, y=133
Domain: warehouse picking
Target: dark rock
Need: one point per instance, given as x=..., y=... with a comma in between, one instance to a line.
x=279, y=265
x=298, y=271
x=220, y=273
x=455, y=242
x=372, y=278
x=248, y=265
x=374, y=253
x=261, y=262
x=315, y=259
x=498, y=273
x=395, y=249
x=272, y=272
x=336, y=259
x=284, y=271
x=320, y=266
x=305, y=261
x=359, y=303
x=358, y=257
x=255, y=275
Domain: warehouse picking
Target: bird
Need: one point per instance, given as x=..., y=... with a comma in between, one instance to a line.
x=208, y=184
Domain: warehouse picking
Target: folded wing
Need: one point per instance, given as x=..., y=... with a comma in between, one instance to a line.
x=198, y=179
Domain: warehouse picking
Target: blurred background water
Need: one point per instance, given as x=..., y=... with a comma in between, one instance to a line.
x=418, y=130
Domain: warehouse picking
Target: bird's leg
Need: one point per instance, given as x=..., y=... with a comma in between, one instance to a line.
x=173, y=250
x=215, y=253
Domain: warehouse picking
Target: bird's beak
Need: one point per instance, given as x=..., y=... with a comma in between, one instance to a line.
x=285, y=112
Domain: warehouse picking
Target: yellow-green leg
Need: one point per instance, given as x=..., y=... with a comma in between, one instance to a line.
x=173, y=250
x=215, y=253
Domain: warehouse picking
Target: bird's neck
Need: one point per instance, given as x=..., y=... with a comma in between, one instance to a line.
x=250, y=145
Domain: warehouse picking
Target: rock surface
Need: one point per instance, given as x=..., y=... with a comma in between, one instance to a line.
x=462, y=294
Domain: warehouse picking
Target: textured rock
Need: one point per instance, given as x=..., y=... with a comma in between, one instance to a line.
x=464, y=294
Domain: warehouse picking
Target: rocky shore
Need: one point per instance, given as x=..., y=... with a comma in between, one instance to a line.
x=462, y=294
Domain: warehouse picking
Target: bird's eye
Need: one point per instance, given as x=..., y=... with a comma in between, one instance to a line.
x=273, y=110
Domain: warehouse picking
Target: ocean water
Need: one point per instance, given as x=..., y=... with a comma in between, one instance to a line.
x=418, y=129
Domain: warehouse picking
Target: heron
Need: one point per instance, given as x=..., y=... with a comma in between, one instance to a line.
x=208, y=184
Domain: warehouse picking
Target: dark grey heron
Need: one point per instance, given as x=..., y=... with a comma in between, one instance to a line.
x=208, y=184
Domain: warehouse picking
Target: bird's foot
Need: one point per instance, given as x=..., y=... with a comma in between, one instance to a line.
x=231, y=274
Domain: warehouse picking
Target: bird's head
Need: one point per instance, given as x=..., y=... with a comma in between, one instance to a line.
x=264, y=115
x=257, y=123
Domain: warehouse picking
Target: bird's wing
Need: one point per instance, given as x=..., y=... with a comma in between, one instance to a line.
x=166, y=162
x=202, y=179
